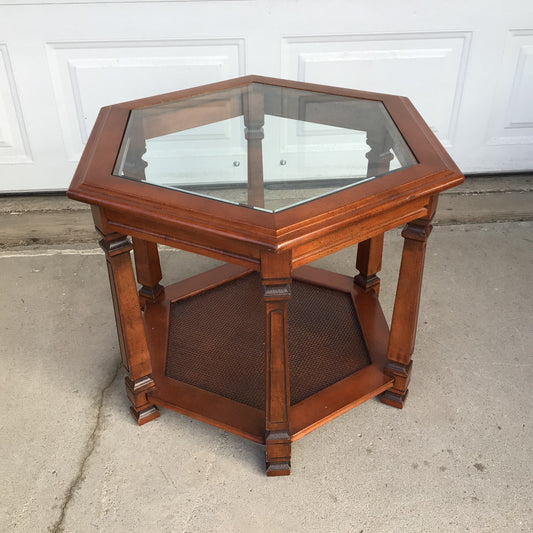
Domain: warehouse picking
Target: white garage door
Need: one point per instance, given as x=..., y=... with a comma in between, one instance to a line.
x=468, y=68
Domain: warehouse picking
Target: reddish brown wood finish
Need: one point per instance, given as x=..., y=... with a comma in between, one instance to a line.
x=278, y=245
x=181, y=397
x=246, y=421
x=147, y=268
x=369, y=253
x=276, y=280
x=359, y=387
x=130, y=326
x=163, y=211
x=405, y=313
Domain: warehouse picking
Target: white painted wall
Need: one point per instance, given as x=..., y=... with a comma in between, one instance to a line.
x=468, y=68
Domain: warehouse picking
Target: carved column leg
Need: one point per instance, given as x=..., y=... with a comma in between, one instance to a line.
x=275, y=271
x=368, y=263
x=369, y=252
x=405, y=313
x=254, y=119
x=148, y=269
x=130, y=326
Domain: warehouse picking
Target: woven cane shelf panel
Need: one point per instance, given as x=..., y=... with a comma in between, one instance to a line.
x=217, y=340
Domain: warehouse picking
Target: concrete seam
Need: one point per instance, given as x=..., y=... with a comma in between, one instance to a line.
x=29, y=253
x=90, y=446
x=10, y=253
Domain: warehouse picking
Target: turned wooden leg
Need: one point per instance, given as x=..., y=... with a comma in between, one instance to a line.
x=368, y=263
x=405, y=312
x=275, y=271
x=148, y=269
x=130, y=326
x=369, y=252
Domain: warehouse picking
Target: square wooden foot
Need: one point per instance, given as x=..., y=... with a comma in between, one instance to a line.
x=145, y=415
x=278, y=469
x=394, y=399
x=401, y=373
x=142, y=409
x=278, y=454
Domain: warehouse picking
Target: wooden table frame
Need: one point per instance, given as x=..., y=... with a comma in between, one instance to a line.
x=276, y=245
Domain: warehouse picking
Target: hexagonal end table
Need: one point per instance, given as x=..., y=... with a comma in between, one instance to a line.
x=266, y=175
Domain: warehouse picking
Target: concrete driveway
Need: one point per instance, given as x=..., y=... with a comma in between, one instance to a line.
x=457, y=458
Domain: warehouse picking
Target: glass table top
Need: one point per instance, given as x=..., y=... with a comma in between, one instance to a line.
x=262, y=146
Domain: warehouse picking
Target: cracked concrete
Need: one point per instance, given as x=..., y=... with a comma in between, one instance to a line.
x=89, y=449
x=456, y=459
x=50, y=378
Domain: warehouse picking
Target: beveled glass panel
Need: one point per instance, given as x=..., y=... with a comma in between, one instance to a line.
x=262, y=146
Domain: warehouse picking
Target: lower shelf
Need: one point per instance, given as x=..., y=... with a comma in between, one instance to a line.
x=207, y=340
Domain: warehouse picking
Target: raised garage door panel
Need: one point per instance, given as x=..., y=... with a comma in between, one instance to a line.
x=415, y=65
x=14, y=146
x=510, y=132
x=88, y=75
